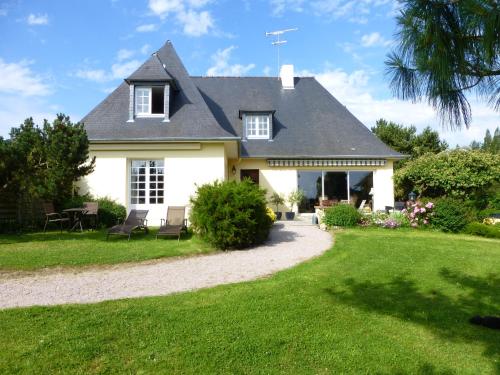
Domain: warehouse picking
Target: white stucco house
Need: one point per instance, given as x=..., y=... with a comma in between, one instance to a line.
x=162, y=132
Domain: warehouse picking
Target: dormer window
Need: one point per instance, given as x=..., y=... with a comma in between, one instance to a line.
x=258, y=126
x=149, y=101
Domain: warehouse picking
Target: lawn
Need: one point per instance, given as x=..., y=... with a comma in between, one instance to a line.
x=38, y=250
x=380, y=301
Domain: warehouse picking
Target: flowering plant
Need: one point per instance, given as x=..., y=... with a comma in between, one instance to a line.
x=419, y=214
x=391, y=223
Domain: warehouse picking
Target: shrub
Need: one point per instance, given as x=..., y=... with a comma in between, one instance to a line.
x=342, y=215
x=418, y=213
x=450, y=215
x=230, y=215
x=110, y=212
x=484, y=230
x=456, y=173
x=77, y=201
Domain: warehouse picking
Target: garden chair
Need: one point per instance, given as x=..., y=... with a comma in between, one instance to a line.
x=51, y=216
x=174, y=224
x=136, y=219
x=91, y=209
x=362, y=205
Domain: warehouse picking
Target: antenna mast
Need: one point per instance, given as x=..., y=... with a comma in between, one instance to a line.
x=278, y=42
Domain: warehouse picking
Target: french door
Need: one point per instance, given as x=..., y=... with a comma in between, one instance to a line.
x=147, y=187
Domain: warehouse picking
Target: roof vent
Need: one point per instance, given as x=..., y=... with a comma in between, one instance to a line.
x=286, y=75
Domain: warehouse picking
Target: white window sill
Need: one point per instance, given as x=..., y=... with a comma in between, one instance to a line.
x=257, y=137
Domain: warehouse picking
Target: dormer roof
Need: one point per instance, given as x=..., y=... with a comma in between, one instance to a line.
x=153, y=70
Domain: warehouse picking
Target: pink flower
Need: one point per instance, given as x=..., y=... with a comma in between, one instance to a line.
x=414, y=224
x=426, y=221
x=422, y=210
x=429, y=205
x=412, y=215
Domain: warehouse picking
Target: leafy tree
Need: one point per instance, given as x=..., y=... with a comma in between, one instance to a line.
x=45, y=162
x=457, y=173
x=490, y=144
x=446, y=49
x=405, y=139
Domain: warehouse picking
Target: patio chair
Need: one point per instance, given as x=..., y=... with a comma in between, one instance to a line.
x=362, y=205
x=174, y=224
x=91, y=212
x=51, y=216
x=136, y=219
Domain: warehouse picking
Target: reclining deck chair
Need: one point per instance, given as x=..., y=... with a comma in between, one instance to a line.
x=175, y=222
x=136, y=220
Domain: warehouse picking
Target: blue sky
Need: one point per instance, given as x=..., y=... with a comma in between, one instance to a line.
x=66, y=56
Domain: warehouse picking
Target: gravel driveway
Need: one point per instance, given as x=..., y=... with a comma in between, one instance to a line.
x=289, y=244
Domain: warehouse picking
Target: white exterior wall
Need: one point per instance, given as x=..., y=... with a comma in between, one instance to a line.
x=184, y=168
x=383, y=186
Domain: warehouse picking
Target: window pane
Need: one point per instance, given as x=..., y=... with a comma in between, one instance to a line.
x=336, y=185
x=360, y=184
x=310, y=183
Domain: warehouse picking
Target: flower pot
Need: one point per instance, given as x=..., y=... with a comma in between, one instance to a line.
x=290, y=215
x=278, y=215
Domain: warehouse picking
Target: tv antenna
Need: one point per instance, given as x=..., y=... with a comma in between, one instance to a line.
x=278, y=42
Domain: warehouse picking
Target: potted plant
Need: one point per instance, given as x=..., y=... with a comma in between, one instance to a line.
x=294, y=198
x=277, y=200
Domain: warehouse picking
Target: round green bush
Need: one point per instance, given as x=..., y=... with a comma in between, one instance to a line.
x=342, y=215
x=450, y=215
x=110, y=212
x=230, y=215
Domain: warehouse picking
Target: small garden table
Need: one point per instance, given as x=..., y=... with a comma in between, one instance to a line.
x=76, y=216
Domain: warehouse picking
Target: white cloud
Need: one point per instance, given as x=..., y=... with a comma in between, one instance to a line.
x=147, y=28
x=96, y=75
x=124, y=54
x=267, y=70
x=19, y=79
x=354, y=90
x=374, y=39
x=188, y=13
x=35, y=20
x=145, y=49
x=123, y=70
x=195, y=23
x=351, y=10
x=222, y=67
x=281, y=6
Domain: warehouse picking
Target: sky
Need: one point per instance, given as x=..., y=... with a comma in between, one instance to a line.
x=67, y=56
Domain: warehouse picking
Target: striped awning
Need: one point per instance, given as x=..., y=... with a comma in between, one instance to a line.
x=325, y=162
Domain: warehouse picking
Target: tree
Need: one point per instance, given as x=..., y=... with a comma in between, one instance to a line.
x=490, y=144
x=446, y=49
x=405, y=139
x=457, y=173
x=44, y=162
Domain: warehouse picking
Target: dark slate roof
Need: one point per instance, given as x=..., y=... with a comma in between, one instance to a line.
x=190, y=117
x=308, y=121
x=151, y=70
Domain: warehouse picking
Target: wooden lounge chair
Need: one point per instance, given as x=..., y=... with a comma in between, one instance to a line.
x=91, y=209
x=51, y=216
x=175, y=223
x=136, y=219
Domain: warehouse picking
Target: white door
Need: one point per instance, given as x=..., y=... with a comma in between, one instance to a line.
x=147, y=188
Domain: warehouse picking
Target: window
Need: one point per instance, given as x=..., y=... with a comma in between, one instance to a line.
x=353, y=186
x=149, y=101
x=147, y=182
x=257, y=126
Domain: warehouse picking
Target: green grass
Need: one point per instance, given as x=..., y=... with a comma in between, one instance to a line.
x=39, y=250
x=381, y=301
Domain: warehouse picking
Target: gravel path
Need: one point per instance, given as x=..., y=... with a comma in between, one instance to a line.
x=290, y=243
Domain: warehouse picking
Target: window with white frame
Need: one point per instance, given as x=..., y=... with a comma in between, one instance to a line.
x=149, y=101
x=257, y=126
x=147, y=182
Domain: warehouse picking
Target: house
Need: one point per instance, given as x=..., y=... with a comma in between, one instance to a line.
x=162, y=132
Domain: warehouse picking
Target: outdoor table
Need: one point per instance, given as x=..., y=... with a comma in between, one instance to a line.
x=76, y=216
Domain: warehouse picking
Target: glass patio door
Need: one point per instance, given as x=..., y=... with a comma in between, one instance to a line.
x=147, y=187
